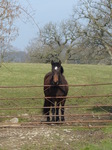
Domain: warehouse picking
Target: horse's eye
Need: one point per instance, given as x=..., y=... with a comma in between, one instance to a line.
x=56, y=68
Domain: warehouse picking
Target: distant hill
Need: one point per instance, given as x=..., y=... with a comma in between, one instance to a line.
x=9, y=53
x=15, y=56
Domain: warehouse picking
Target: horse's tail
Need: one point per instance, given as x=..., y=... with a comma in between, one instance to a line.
x=45, y=109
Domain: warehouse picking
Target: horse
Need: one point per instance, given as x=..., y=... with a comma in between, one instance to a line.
x=55, y=85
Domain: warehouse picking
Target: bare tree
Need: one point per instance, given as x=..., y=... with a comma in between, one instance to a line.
x=52, y=38
x=95, y=18
x=35, y=51
x=9, y=11
x=89, y=27
x=58, y=39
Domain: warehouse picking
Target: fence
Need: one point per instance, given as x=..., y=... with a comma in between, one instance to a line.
x=87, y=105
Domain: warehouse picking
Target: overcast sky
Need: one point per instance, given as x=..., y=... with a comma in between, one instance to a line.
x=43, y=12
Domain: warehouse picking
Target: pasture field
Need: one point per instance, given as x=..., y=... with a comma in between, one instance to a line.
x=33, y=74
x=54, y=137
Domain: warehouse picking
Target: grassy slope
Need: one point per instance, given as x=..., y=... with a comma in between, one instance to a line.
x=33, y=74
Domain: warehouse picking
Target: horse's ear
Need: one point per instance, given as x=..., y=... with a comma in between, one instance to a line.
x=60, y=62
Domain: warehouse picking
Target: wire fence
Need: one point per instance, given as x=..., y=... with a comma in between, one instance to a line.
x=87, y=105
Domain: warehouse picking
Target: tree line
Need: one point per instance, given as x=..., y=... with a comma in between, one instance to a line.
x=89, y=27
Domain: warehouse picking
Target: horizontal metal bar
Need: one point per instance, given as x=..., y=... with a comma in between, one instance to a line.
x=70, y=85
x=72, y=121
x=69, y=106
x=68, y=115
x=58, y=97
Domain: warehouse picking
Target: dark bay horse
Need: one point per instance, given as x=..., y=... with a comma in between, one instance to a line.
x=54, y=79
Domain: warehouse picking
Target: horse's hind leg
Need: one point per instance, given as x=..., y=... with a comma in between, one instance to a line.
x=46, y=110
x=48, y=118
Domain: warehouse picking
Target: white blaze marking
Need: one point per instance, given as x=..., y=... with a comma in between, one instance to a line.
x=56, y=68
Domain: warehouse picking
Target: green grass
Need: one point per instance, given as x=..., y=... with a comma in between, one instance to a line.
x=103, y=145
x=18, y=74
x=13, y=74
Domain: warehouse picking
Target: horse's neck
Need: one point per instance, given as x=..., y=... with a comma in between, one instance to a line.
x=47, y=78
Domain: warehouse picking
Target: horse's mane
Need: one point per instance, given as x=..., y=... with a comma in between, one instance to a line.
x=62, y=70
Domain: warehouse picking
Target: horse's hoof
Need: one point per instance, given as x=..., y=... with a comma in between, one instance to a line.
x=57, y=119
x=48, y=119
x=62, y=119
x=53, y=120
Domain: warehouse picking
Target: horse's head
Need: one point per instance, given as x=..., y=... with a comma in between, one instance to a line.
x=56, y=72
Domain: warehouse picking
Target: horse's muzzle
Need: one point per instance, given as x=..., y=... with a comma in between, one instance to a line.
x=55, y=83
x=55, y=79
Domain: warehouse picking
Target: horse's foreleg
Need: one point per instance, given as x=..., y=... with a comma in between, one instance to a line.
x=62, y=110
x=53, y=112
x=57, y=111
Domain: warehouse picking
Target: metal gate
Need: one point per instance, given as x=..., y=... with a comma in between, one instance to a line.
x=87, y=105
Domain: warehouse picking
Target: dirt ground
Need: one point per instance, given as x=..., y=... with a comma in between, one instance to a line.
x=49, y=138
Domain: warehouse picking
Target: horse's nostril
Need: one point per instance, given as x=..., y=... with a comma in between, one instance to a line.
x=57, y=83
